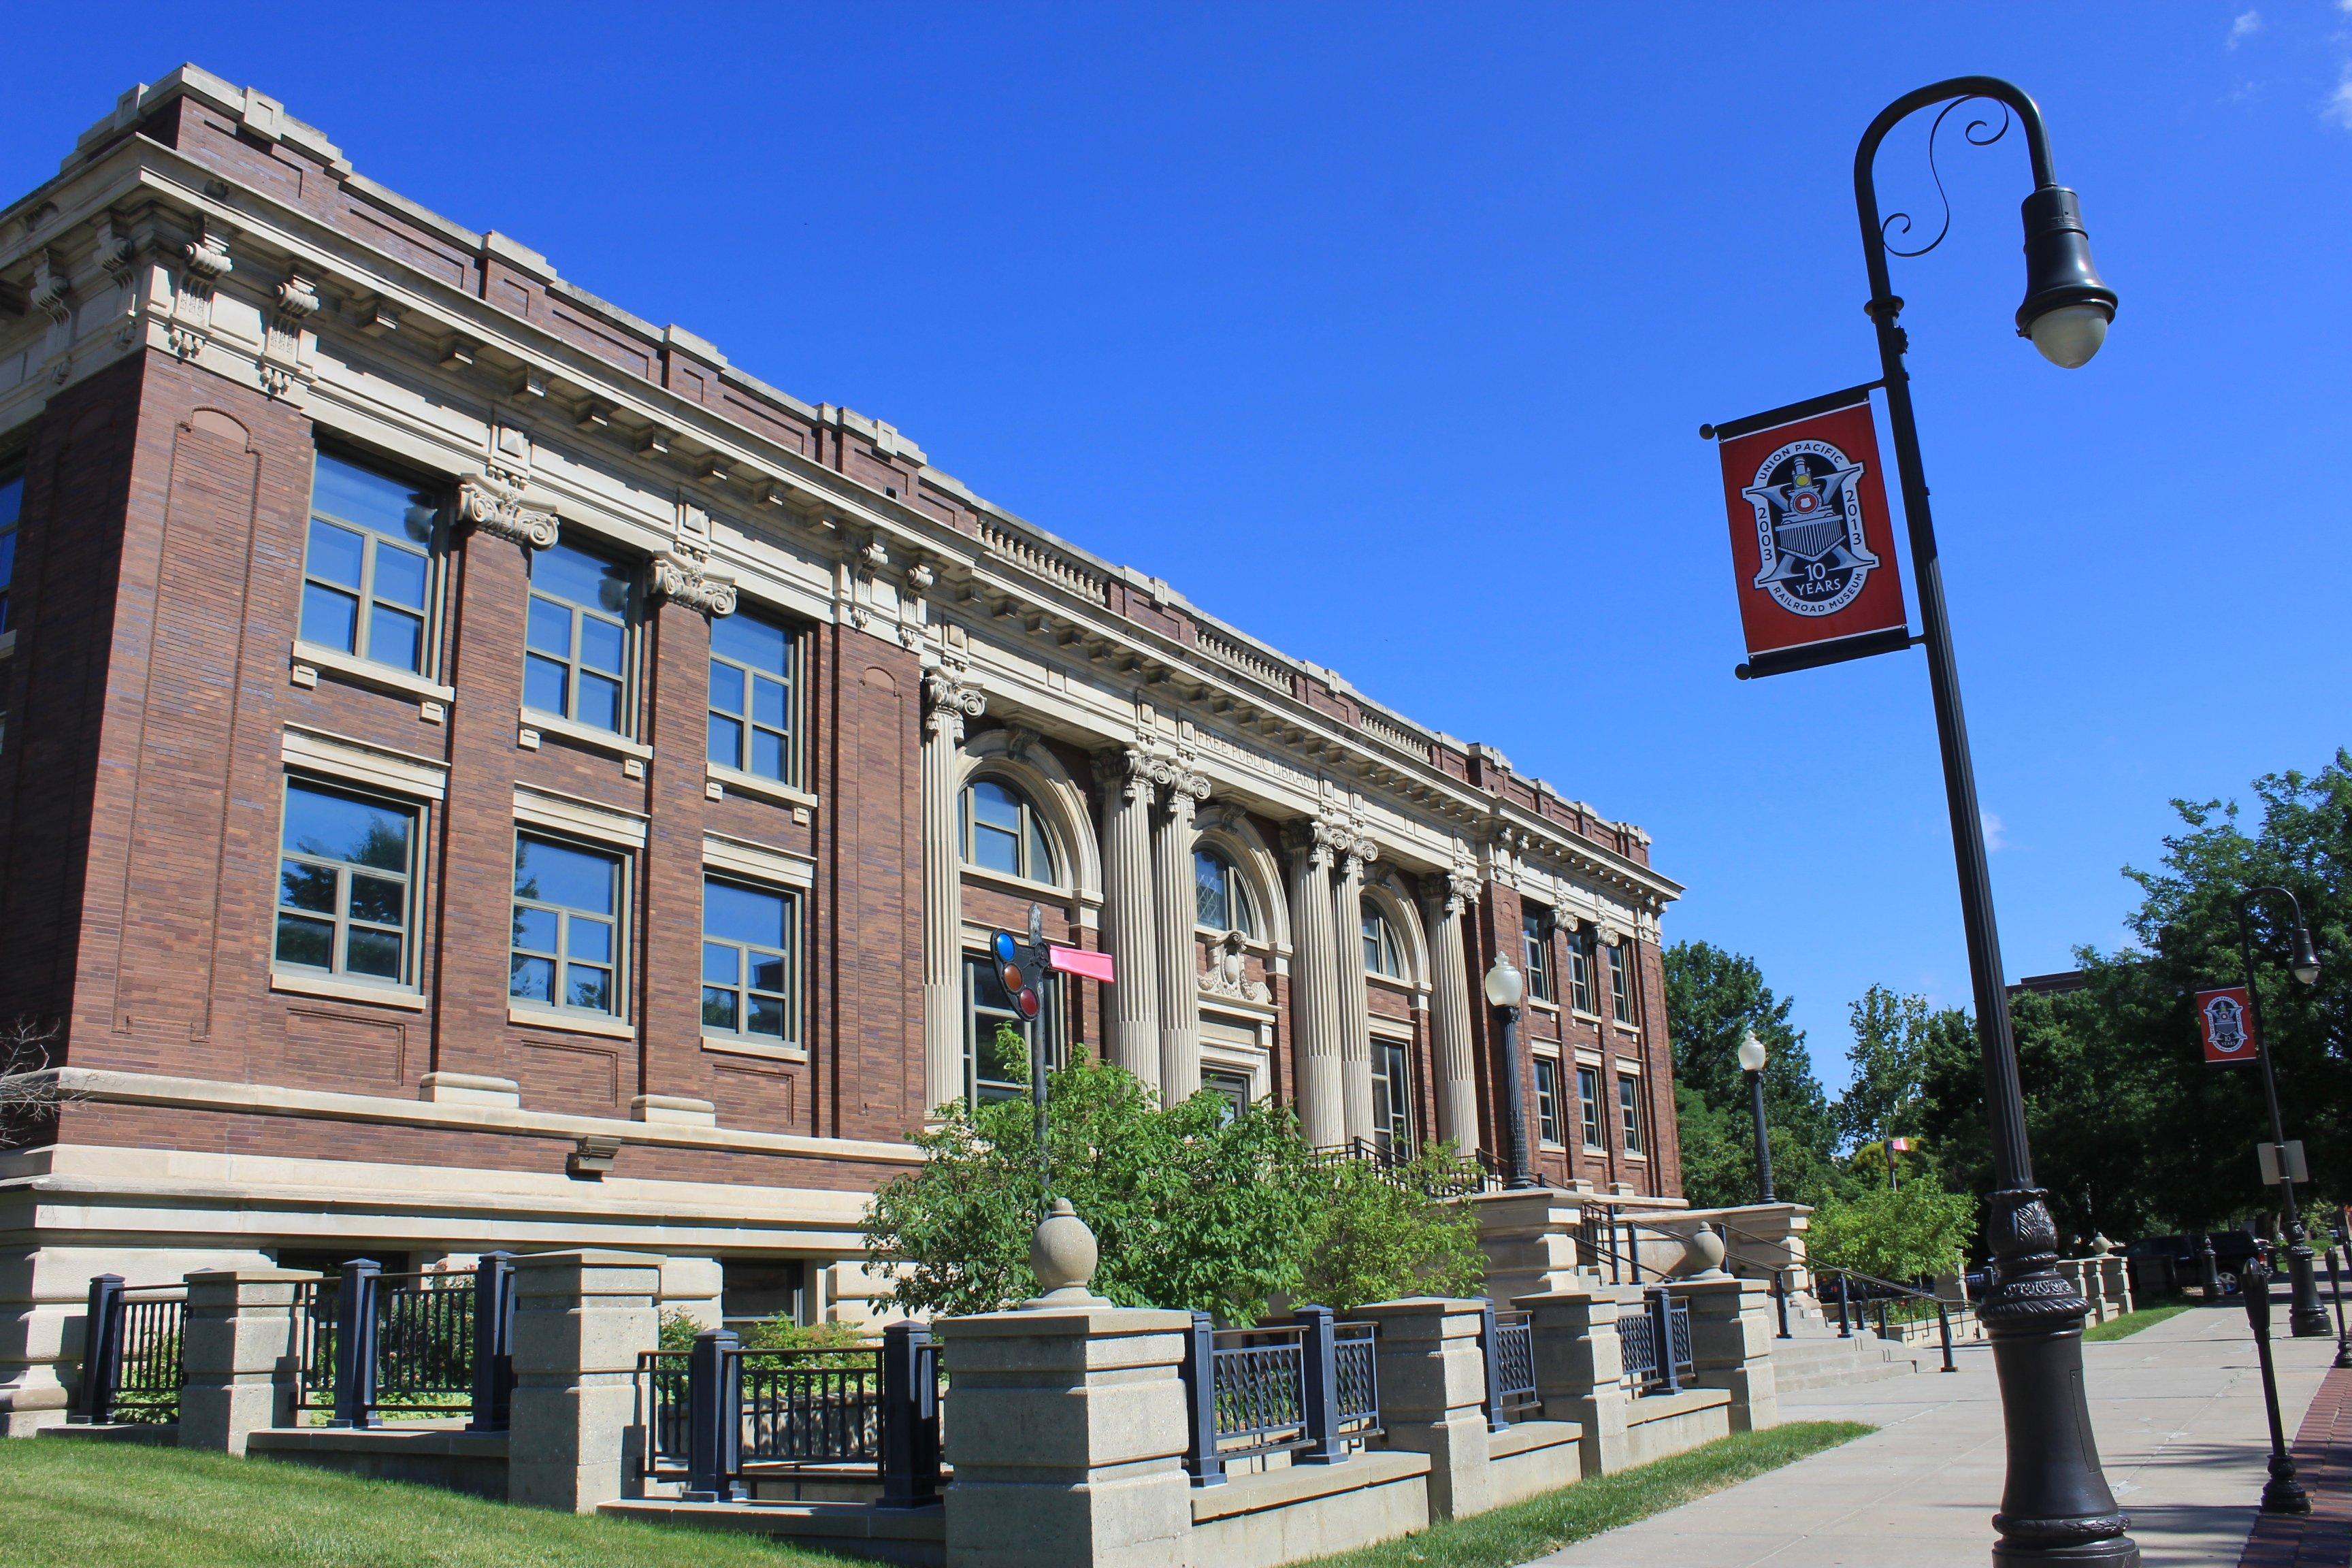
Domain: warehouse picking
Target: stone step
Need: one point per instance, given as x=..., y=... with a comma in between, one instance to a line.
x=1813, y=1360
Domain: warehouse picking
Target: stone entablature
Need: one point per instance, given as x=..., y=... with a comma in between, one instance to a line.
x=647, y=434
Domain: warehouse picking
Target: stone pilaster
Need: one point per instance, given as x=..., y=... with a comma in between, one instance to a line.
x=1449, y=1009
x=1580, y=1366
x=1180, y=990
x=1315, y=988
x=1130, y=1005
x=1432, y=1384
x=950, y=698
x=1355, y=1003
x=1731, y=1345
x=236, y=1355
x=581, y=1319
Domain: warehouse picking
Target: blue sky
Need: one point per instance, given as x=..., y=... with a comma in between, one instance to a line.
x=1386, y=333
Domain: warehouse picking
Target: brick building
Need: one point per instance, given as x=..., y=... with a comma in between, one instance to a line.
x=479, y=769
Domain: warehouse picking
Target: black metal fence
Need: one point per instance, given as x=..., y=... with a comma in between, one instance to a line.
x=1509, y=1342
x=719, y=1418
x=134, y=1353
x=1655, y=1343
x=1392, y=1163
x=371, y=1344
x=1309, y=1388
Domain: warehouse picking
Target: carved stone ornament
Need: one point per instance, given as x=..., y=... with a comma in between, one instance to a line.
x=1130, y=768
x=953, y=696
x=298, y=297
x=207, y=256
x=50, y=289
x=495, y=509
x=115, y=251
x=688, y=579
x=1227, y=975
x=1462, y=880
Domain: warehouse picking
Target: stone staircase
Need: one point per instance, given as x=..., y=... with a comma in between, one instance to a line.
x=1811, y=1357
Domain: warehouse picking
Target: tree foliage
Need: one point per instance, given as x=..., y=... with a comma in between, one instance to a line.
x=1900, y=1233
x=1713, y=998
x=1893, y=1040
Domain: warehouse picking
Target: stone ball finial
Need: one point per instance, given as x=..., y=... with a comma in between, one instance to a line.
x=1702, y=1254
x=2101, y=1245
x=1063, y=1255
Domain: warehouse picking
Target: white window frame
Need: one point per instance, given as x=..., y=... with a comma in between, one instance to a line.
x=559, y=1015
x=406, y=990
x=435, y=568
x=630, y=619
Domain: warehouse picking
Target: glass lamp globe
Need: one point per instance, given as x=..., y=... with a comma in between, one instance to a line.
x=1751, y=1052
x=2069, y=335
x=1505, y=986
x=2304, y=964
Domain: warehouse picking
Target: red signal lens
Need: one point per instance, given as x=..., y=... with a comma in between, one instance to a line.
x=1026, y=1000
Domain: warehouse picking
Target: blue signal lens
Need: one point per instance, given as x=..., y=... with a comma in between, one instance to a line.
x=1003, y=946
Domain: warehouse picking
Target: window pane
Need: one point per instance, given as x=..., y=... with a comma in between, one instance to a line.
x=1209, y=903
x=718, y=1009
x=767, y=702
x=1041, y=853
x=1371, y=941
x=376, y=901
x=600, y=643
x=375, y=952
x=305, y=887
x=754, y=642
x=996, y=805
x=600, y=701
x=588, y=988
x=767, y=1017
x=532, y=979
x=558, y=874
x=997, y=850
x=338, y=828
x=336, y=553
x=551, y=628
x=737, y=913
x=534, y=929
x=726, y=741
x=399, y=576
x=726, y=687
x=389, y=505
x=572, y=574
x=12, y=499
x=544, y=682
x=308, y=943
x=767, y=754
x=590, y=939
x=721, y=964
x=330, y=619
x=7, y=557
x=396, y=638
x=767, y=972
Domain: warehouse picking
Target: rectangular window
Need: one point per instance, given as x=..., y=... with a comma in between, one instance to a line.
x=1233, y=1088
x=345, y=903
x=1392, y=1098
x=1548, y=1100
x=1621, y=980
x=1580, y=970
x=565, y=952
x=753, y=678
x=1535, y=932
x=1588, y=1107
x=12, y=505
x=992, y=1071
x=1629, y=1112
x=367, y=571
x=749, y=970
x=577, y=666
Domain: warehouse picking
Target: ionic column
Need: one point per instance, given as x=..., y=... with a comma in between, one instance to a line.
x=1449, y=1009
x=952, y=697
x=1314, y=987
x=1355, y=1003
x=1180, y=990
x=1131, y=1014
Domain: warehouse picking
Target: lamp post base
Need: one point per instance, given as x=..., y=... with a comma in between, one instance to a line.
x=2307, y=1316
x=2282, y=1493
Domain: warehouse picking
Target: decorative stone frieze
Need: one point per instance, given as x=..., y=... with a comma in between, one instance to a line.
x=486, y=507
x=1227, y=975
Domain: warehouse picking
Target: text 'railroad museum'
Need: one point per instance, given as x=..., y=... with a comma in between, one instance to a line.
x=478, y=770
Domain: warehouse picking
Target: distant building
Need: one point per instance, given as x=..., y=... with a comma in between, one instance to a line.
x=2056, y=984
x=480, y=770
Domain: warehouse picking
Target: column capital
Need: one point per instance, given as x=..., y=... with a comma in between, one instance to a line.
x=486, y=506
x=1311, y=839
x=953, y=695
x=1129, y=767
x=686, y=575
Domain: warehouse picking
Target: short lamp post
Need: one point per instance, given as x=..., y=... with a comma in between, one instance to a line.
x=1506, y=988
x=1751, y=1062
x=2305, y=1317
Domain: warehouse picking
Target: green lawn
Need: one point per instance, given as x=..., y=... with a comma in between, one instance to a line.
x=72, y=1504
x=1528, y=1530
x=2131, y=1323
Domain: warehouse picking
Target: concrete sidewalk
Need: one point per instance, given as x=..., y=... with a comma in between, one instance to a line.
x=2179, y=1414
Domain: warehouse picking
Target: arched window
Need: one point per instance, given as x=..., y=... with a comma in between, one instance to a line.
x=1220, y=900
x=1002, y=831
x=1384, y=954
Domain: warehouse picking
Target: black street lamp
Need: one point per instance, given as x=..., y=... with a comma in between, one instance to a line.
x=2055, y=1505
x=1506, y=988
x=2281, y=1493
x=2335, y=1288
x=1751, y=1062
x=2305, y=1317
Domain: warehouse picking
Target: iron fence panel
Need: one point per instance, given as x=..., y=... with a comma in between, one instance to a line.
x=1515, y=1359
x=154, y=1341
x=811, y=1407
x=1353, y=1345
x=1260, y=1378
x=662, y=1412
x=1637, y=1342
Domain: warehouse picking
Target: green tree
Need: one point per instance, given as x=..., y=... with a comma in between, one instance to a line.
x=1894, y=1038
x=1380, y=1235
x=1713, y=998
x=1895, y=1233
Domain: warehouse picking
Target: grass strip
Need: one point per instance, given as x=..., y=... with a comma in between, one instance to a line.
x=67, y=1503
x=1526, y=1531
x=2130, y=1323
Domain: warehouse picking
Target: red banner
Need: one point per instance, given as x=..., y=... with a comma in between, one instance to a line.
x=1812, y=545
x=2226, y=1020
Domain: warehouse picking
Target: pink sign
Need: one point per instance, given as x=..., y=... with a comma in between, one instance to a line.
x=1078, y=960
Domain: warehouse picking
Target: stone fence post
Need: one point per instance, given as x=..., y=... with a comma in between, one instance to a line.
x=237, y=1356
x=1432, y=1382
x=581, y=1319
x=1068, y=1431
x=1580, y=1367
x=1731, y=1345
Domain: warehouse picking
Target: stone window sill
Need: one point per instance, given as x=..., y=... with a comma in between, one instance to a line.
x=346, y=990
x=1624, y=1027
x=1541, y=1005
x=370, y=673
x=586, y=735
x=570, y=1023
x=735, y=781
x=728, y=1046
x=1043, y=892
